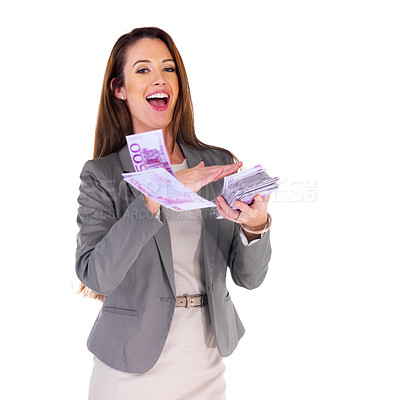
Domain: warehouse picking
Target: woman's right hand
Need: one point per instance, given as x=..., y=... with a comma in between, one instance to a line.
x=152, y=205
x=197, y=177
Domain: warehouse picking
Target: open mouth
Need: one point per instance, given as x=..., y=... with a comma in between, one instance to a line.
x=158, y=101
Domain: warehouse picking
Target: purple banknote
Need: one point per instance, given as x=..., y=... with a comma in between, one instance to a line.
x=148, y=151
x=166, y=190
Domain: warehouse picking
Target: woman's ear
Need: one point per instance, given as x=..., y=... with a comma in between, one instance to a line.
x=119, y=92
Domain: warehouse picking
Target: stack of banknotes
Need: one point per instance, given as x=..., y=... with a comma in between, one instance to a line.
x=246, y=184
x=155, y=178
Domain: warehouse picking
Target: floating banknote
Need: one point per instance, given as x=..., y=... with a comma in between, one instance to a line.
x=244, y=185
x=155, y=177
x=147, y=151
x=166, y=190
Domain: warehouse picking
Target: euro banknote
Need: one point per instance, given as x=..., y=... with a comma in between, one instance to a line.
x=154, y=176
x=163, y=187
x=148, y=151
x=244, y=185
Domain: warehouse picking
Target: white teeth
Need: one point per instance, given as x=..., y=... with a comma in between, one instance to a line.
x=158, y=96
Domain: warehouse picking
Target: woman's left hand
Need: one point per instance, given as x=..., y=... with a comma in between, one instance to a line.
x=254, y=216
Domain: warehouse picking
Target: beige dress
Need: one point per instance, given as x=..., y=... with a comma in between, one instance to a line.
x=190, y=366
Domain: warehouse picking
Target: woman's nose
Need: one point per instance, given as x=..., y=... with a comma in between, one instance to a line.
x=159, y=83
x=158, y=79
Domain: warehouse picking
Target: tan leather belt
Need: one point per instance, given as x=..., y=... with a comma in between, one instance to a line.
x=191, y=300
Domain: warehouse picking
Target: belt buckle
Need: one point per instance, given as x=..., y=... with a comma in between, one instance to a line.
x=188, y=300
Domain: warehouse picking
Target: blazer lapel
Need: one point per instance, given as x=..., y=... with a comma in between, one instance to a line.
x=163, y=242
x=127, y=166
x=162, y=236
x=210, y=226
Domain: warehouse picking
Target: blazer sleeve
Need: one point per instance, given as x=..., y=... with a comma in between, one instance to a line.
x=249, y=264
x=108, y=246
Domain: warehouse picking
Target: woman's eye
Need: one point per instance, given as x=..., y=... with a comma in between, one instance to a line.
x=142, y=71
x=169, y=69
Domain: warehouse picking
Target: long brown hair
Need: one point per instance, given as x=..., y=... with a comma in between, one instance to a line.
x=114, y=119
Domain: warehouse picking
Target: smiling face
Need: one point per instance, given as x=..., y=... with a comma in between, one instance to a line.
x=151, y=85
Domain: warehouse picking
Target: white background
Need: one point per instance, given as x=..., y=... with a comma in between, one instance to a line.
x=308, y=88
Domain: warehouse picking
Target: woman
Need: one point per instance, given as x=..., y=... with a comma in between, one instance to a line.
x=167, y=317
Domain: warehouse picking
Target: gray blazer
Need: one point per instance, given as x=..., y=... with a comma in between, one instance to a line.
x=124, y=252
